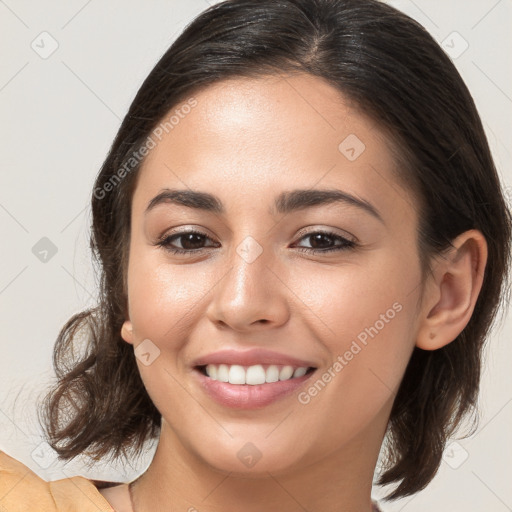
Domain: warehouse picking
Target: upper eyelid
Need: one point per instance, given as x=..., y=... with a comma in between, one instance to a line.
x=303, y=231
x=185, y=231
x=328, y=231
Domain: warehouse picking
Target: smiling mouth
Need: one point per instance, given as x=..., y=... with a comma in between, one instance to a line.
x=253, y=375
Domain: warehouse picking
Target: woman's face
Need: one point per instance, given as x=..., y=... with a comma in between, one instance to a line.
x=259, y=277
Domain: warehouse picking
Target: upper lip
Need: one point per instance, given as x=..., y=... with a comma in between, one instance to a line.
x=250, y=358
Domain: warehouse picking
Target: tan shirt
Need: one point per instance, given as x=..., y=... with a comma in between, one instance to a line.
x=22, y=490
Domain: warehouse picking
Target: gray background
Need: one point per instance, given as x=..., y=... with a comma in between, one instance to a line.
x=59, y=115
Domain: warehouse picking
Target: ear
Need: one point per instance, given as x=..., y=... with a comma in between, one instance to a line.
x=451, y=293
x=127, y=331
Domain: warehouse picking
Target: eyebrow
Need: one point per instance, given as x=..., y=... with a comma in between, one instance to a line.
x=285, y=202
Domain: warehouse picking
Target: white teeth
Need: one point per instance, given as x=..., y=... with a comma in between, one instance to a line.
x=213, y=372
x=299, y=372
x=272, y=374
x=222, y=372
x=285, y=373
x=236, y=374
x=253, y=375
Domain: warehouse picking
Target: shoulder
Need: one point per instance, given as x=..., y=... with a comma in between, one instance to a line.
x=21, y=489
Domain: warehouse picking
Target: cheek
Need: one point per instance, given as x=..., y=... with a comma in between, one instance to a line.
x=359, y=299
x=365, y=316
x=163, y=297
x=369, y=356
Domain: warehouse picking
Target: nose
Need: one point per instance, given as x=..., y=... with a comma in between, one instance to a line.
x=252, y=294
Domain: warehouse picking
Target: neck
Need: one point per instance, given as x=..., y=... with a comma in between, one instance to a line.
x=341, y=482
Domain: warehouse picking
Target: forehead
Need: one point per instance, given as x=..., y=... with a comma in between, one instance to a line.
x=248, y=137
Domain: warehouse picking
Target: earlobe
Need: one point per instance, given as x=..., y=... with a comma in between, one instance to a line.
x=453, y=291
x=127, y=331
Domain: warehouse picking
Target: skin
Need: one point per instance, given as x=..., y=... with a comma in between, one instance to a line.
x=246, y=141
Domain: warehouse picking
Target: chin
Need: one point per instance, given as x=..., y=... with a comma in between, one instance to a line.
x=251, y=460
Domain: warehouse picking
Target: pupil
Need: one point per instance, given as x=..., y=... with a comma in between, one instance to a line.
x=318, y=238
x=189, y=240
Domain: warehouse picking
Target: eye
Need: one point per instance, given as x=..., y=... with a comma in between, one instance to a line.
x=191, y=242
x=326, y=241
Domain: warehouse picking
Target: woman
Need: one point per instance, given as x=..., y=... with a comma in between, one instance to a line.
x=303, y=243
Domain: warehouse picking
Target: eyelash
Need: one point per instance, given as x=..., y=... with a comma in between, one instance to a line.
x=166, y=241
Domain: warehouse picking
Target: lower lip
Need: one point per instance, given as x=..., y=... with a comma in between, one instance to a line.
x=246, y=396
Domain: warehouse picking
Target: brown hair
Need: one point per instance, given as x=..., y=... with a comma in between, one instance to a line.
x=394, y=71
